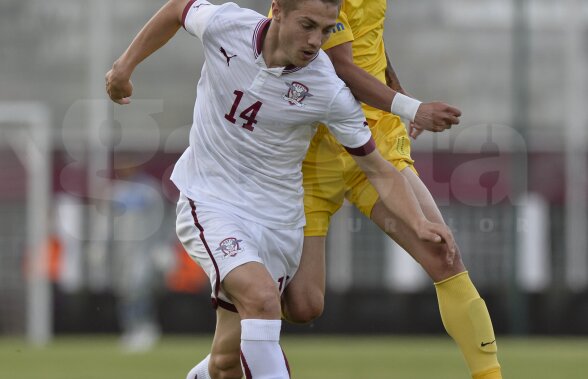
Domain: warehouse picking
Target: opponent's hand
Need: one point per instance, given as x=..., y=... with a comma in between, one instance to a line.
x=414, y=131
x=118, y=86
x=434, y=117
x=437, y=233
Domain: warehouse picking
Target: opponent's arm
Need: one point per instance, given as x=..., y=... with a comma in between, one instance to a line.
x=434, y=116
x=397, y=195
x=156, y=33
x=392, y=80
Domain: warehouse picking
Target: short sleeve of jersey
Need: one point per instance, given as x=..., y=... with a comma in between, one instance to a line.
x=347, y=123
x=197, y=15
x=341, y=33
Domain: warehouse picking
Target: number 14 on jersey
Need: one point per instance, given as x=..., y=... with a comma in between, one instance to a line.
x=248, y=114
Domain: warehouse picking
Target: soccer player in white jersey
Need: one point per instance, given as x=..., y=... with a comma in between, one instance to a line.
x=263, y=87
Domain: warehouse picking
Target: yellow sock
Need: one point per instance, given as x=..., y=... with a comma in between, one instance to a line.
x=467, y=321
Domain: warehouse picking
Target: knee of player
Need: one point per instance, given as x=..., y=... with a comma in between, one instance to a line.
x=263, y=303
x=455, y=266
x=444, y=267
x=225, y=366
x=305, y=315
x=306, y=311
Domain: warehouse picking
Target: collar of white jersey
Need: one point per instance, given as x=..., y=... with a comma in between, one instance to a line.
x=258, y=33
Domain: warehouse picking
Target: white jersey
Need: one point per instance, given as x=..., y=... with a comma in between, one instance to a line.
x=252, y=124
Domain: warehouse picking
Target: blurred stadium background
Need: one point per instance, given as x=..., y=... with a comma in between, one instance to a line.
x=511, y=180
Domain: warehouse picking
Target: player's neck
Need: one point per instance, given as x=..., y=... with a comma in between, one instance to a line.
x=272, y=54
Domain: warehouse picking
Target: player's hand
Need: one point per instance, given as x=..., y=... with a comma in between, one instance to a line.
x=438, y=233
x=434, y=117
x=414, y=131
x=118, y=86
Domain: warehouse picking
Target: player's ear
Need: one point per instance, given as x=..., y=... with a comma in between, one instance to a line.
x=276, y=10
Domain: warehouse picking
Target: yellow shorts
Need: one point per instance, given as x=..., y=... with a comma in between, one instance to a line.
x=331, y=175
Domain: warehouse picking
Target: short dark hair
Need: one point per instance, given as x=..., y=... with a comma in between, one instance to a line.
x=289, y=5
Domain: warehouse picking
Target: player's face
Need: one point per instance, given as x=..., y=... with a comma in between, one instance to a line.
x=304, y=30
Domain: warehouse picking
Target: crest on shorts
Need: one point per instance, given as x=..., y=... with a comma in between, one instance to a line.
x=230, y=246
x=297, y=92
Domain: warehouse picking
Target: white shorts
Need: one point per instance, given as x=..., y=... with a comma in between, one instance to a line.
x=219, y=242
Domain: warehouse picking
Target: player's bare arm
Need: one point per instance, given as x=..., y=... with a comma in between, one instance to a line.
x=398, y=196
x=156, y=33
x=392, y=80
x=434, y=116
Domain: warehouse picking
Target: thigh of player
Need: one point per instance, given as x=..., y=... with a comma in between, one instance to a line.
x=322, y=172
x=220, y=243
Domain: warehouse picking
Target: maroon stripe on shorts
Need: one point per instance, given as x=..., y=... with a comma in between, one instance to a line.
x=246, y=369
x=225, y=305
x=201, y=229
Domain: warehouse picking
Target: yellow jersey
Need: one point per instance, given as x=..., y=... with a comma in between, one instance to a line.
x=361, y=22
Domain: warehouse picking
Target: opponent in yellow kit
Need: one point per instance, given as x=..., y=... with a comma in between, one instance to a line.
x=330, y=176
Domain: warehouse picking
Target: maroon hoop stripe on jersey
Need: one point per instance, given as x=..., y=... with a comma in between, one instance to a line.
x=201, y=229
x=258, y=36
x=185, y=13
x=246, y=369
x=367, y=148
x=258, y=44
x=291, y=68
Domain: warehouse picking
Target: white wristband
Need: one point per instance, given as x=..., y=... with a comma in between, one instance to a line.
x=404, y=106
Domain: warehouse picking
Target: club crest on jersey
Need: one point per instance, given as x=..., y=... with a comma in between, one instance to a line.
x=297, y=92
x=230, y=247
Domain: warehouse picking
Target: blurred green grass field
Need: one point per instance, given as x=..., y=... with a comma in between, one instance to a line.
x=311, y=357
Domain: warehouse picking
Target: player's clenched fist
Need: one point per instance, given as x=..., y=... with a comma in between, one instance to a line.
x=118, y=86
x=434, y=117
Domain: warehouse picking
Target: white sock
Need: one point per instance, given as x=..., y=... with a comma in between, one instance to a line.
x=200, y=371
x=261, y=354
